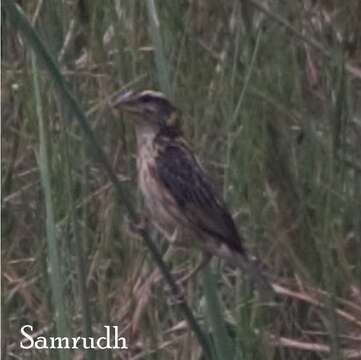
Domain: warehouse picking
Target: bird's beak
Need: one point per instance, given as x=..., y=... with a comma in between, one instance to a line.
x=127, y=101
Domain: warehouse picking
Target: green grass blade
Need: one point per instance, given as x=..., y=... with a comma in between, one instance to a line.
x=162, y=65
x=54, y=268
x=77, y=243
x=223, y=343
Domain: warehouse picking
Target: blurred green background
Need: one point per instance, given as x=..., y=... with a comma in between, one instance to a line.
x=270, y=93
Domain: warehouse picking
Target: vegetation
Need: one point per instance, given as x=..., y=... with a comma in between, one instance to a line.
x=271, y=97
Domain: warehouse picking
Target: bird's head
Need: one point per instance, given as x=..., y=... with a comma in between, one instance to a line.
x=150, y=108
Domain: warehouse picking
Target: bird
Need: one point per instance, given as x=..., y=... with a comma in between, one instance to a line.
x=179, y=195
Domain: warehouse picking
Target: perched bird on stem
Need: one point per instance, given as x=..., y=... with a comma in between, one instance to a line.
x=177, y=191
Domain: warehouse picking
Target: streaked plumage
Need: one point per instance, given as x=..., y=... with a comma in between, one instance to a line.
x=177, y=191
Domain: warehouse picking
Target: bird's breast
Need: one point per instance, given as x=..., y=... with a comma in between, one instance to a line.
x=146, y=168
x=160, y=205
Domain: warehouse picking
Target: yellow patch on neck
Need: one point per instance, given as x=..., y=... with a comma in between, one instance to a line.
x=173, y=119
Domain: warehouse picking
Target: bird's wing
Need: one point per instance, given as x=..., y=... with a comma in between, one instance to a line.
x=189, y=185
